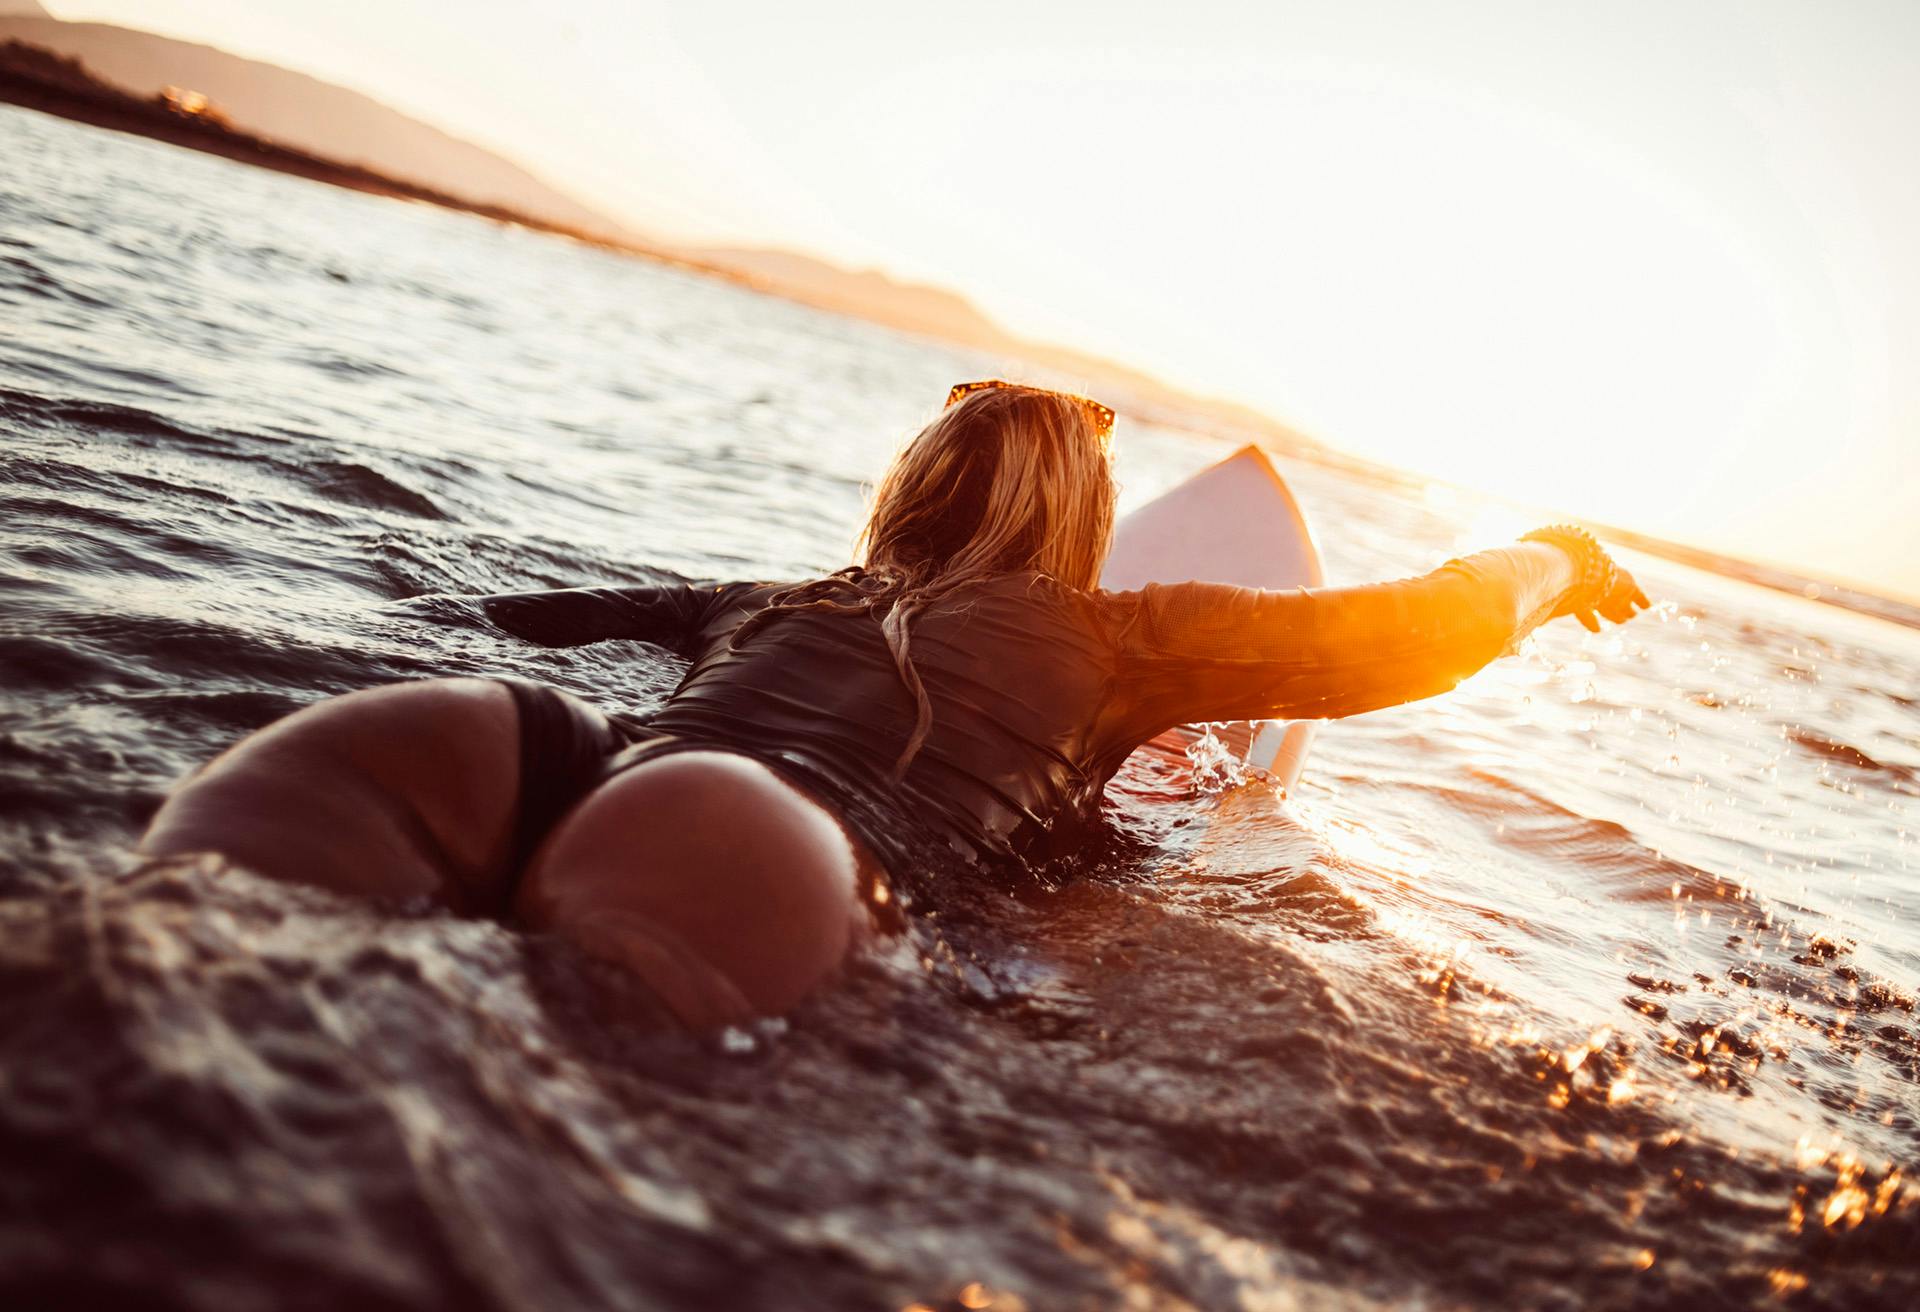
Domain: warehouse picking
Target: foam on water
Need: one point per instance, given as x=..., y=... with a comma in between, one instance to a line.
x=1589, y=985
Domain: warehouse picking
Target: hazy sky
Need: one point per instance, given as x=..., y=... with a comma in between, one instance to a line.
x=1654, y=263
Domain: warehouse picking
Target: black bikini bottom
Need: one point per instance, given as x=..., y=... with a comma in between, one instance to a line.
x=567, y=749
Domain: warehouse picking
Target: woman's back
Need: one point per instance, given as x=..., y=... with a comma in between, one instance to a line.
x=1019, y=670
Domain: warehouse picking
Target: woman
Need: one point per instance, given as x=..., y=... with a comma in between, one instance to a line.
x=968, y=684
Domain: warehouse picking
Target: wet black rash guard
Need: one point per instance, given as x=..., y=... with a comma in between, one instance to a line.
x=1039, y=690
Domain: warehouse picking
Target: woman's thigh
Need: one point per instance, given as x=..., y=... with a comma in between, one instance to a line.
x=728, y=890
x=402, y=791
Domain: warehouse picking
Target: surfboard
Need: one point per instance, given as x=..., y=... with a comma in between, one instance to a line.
x=1233, y=522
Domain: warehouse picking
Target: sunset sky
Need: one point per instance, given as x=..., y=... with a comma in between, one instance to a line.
x=1653, y=263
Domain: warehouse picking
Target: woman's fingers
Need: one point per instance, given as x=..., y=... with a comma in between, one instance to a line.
x=1618, y=605
x=1623, y=601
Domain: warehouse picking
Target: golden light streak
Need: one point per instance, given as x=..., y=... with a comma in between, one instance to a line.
x=1784, y=1282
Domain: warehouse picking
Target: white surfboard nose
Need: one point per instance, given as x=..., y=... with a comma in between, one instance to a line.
x=1233, y=522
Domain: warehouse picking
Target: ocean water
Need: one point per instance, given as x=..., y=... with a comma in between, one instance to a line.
x=1590, y=985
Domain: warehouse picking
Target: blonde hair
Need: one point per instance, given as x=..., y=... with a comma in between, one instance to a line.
x=1008, y=480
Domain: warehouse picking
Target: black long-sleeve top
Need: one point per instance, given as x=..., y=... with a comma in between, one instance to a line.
x=1039, y=690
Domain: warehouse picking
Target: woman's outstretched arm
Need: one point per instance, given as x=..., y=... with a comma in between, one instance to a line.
x=669, y=614
x=1203, y=651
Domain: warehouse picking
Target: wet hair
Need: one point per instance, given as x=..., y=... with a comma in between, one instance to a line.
x=1007, y=481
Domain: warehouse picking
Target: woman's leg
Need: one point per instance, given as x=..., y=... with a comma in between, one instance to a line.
x=401, y=791
x=728, y=890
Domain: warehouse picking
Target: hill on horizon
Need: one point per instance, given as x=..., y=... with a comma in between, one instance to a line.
x=332, y=123
x=933, y=311
x=950, y=316
x=307, y=114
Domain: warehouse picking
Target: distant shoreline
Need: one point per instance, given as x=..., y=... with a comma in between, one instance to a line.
x=42, y=78
x=37, y=78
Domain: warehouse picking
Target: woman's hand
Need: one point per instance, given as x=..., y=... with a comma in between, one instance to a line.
x=1600, y=588
x=1619, y=603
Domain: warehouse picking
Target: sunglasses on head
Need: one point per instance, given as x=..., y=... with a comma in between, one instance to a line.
x=1101, y=416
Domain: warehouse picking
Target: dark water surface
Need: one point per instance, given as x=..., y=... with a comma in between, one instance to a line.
x=1591, y=985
